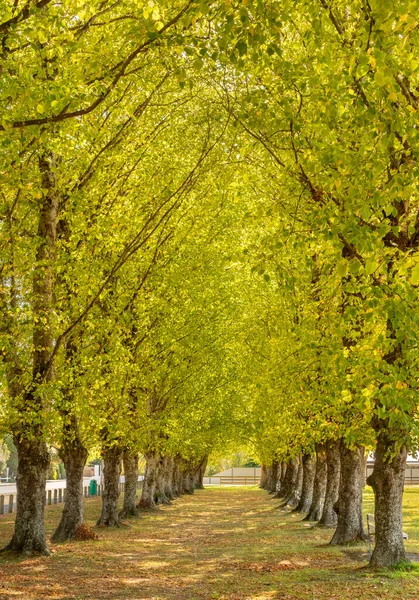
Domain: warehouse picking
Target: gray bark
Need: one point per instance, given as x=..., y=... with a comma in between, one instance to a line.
x=29, y=532
x=290, y=479
x=149, y=484
x=199, y=485
x=162, y=482
x=319, y=489
x=387, y=481
x=298, y=487
x=329, y=517
x=350, y=526
x=130, y=462
x=110, y=496
x=74, y=456
x=176, y=478
x=309, y=471
x=189, y=480
x=263, y=477
x=272, y=477
x=284, y=466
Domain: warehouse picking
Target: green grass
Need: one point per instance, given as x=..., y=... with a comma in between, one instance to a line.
x=225, y=543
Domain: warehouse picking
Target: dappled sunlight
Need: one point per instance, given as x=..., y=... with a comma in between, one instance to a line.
x=225, y=544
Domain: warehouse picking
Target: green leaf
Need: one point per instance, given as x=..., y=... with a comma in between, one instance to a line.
x=370, y=266
x=342, y=268
x=414, y=278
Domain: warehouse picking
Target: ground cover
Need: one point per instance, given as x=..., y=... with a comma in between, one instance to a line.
x=220, y=543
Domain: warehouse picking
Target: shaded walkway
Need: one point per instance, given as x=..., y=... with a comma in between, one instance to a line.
x=231, y=544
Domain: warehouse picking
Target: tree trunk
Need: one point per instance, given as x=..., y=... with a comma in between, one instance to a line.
x=284, y=467
x=149, y=484
x=161, y=482
x=189, y=480
x=29, y=531
x=176, y=483
x=130, y=462
x=350, y=526
x=74, y=456
x=200, y=474
x=272, y=477
x=32, y=470
x=387, y=481
x=263, y=477
x=278, y=481
x=319, y=489
x=290, y=480
x=309, y=471
x=168, y=489
x=329, y=516
x=298, y=488
x=110, y=496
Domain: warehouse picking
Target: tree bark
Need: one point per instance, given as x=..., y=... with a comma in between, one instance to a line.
x=189, y=480
x=329, y=517
x=32, y=470
x=199, y=485
x=319, y=489
x=130, y=462
x=272, y=477
x=176, y=479
x=297, y=490
x=263, y=477
x=350, y=526
x=161, y=482
x=290, y=480
x=387, y=481
x=309, y=471
x=74, y=456
x=29, y=532
x=149, y=484
x=170, y=465
x=284, y=466
x=110, y=496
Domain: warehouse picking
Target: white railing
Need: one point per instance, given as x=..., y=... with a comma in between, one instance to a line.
x=56, y=495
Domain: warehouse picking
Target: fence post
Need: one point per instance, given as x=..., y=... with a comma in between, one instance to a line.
x=49, y=497
x=60, y=495
x=1, y=505
x=11, y=497
x=55, y=496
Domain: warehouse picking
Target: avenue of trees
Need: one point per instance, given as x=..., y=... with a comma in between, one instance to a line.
x=209, y=231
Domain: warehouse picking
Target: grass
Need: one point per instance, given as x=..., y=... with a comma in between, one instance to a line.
x=220, y=543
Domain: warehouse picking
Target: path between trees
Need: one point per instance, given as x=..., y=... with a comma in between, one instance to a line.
x=225, y=543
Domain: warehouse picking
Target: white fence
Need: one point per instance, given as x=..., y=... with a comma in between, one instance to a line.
x=55, y=494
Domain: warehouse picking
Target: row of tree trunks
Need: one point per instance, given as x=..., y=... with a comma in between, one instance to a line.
x=263, y=477
x=130, y=463
x=329, y=516
x=290, y=480
x=111, y=475
x=74, y=456
x=309, y=471
x=350, y=527
x=319, y=488
x=296, y=491
x=168, y=477
x=328, y=487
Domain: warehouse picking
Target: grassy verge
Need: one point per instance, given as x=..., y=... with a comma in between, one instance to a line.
x=225, y=543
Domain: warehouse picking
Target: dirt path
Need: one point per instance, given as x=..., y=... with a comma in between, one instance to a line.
x=230, y=544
